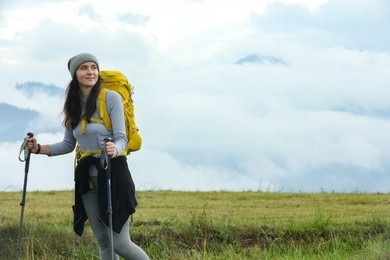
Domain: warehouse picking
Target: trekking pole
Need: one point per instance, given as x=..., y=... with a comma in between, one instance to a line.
x=105, y=163
x=26, y=159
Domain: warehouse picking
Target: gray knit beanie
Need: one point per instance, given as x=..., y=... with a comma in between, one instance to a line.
x=75, y=62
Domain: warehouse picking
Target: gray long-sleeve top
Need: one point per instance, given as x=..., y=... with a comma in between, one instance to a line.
x=95, y=133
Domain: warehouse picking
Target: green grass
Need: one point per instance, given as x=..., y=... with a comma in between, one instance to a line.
x=211, y=225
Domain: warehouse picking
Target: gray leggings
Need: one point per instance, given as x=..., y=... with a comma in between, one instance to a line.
x=123, y=246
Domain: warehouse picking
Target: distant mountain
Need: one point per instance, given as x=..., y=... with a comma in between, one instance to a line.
x=14, y=122
x=260, y=60
x=39, y=87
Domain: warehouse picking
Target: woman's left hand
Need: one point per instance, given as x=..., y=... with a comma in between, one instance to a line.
x=111, y=150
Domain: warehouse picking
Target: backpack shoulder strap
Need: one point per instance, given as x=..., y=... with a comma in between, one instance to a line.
x=102, y=106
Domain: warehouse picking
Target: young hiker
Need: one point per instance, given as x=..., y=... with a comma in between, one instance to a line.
x=90, y=177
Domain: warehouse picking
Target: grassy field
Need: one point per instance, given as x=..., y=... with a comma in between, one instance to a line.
x=211, y=225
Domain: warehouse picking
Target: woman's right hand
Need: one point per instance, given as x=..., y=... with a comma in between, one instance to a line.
x=32, y=144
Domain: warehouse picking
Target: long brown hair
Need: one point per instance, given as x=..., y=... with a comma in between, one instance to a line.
x=72, y=106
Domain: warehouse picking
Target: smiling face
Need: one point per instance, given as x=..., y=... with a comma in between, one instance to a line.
x=87, y=74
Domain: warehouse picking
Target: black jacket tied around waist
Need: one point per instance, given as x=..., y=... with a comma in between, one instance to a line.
x=123, y=197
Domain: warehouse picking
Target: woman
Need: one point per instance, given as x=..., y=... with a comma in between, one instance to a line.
x=90, y=178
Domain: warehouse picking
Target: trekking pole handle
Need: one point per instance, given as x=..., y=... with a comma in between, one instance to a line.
x=104, y=158
x=108, y=139
x=24, y=148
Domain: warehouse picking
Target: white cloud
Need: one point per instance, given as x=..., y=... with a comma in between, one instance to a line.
x=319, y=122
x=350, y=24
x=160, y=170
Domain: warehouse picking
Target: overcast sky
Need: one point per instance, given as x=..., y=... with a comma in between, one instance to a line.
x=289, y=96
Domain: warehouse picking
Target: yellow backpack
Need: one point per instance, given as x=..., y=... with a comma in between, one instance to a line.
x=115, y=80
